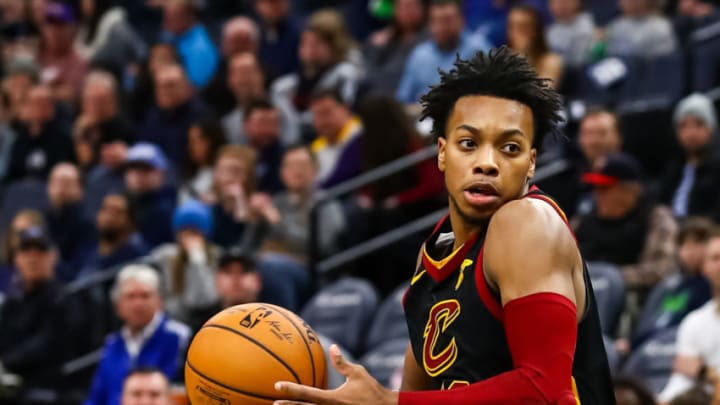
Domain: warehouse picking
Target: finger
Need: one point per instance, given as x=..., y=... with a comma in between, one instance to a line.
x=300, y=392
x=343, y=366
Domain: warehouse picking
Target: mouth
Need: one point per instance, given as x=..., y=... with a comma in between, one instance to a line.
x=481, y=194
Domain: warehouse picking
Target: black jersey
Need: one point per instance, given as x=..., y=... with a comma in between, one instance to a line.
x=455, y=320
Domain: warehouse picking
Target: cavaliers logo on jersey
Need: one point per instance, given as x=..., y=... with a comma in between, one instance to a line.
x=438, y=359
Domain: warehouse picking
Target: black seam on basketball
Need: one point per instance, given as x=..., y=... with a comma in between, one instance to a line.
x=260, y=345
x=302, y=335
x=239, y=391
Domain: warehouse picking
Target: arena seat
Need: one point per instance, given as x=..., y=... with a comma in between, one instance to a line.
x=652, y=362
x=384, y=360
x=389, y=322
x=342, y=311
x=609, y=290
x=335, y=379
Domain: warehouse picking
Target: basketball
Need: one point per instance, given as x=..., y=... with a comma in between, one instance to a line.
x=239, y=354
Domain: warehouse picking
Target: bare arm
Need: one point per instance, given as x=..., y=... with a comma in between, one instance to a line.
x=414, y=379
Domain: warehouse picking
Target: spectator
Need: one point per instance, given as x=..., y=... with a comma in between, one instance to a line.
x=11, y=239
x=337, y=146
x=147, y=338
x=233, y=185
x=7, y=135
x=103, y=21
x=388, y=49
x=63, y=68
x=284, y=229
x=246, y=81
x=449, y=39
x=196, y=49
x=328, y=60
x=388, y=134
x=67, y=222
x=143, y=82
x=625, y=228
x=261, y=125
x=29, y=319
x=685, y=290
x=188, y=265
x=154, y=199
x=599, y=135
x=42, y=142
x=526, y=36
x=238, y=282
x=21, y=74
x=108, y=175
x=572, y=32
x=639, y=31
x=689, y=186
x=205, y=138
x=239, y=36
x=146, y=386
x=118, y=242
x=279, y=36
x=99, y=115
x=692, y=15
x=175, y=110
x=699, y=333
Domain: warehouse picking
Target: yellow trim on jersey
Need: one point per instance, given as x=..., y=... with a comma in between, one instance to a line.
x=440, y=263
x=575, y=392
x=417, y=277
x=461, y=276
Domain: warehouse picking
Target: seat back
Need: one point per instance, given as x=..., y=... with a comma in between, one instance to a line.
x=389, y=322
x=22, y=194
x=609, y=290
x=652, y=362
x=342, y=311
x=383, y=361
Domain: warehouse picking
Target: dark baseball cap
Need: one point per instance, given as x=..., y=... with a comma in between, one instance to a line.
x=237, y=254
x=35, y=237
x=615, y=168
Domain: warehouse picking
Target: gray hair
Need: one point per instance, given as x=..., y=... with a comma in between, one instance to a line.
x=141, y=273
x=699, y=106
x=244, y=23
x=99, y=77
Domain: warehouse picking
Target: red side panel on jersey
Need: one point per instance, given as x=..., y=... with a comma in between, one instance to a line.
x=491, y=303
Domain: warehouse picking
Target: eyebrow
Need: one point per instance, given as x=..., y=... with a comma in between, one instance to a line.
x=504, y=134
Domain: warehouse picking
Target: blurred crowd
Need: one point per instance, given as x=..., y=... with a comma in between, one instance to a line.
x=160, y=160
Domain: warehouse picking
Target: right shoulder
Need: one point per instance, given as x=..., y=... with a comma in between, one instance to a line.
x=698, y=318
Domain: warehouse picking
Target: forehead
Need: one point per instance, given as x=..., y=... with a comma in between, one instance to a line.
x=713, y=246
x=490, y=115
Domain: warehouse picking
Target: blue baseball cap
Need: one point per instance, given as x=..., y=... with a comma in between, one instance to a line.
x=193, y=215
x=146, y=154
x=59, y=13
x=35, y=237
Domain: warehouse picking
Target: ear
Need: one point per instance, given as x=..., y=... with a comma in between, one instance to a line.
x=533, y=159
x=442, y=145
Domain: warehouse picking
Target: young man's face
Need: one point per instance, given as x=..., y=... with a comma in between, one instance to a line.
x=146, y=389
x=487, y=155
x=692, y=253
x=711, y=266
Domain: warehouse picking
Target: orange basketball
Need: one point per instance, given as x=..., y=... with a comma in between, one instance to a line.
x=239, y=354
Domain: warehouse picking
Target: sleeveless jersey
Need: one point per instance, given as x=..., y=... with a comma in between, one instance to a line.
x=455, y=321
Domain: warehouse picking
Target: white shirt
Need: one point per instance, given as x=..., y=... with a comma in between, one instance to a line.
x=698, y=336
x=134, y=344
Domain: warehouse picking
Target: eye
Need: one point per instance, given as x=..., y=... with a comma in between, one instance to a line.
x=510, y=148
x=466, y=143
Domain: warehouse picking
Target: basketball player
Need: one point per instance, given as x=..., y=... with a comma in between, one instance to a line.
x=500, y=309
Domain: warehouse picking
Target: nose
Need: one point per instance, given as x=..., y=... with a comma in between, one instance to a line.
x=485, y=161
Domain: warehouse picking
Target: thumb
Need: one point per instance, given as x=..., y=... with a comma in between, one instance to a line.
x=339, y=362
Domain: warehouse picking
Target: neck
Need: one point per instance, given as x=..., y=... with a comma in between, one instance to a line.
x=106, y=246
x=462, y=229
x=300, y=193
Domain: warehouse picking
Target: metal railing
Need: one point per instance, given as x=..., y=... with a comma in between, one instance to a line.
x=322, y=267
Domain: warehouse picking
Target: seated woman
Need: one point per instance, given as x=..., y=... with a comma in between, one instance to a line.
x=526, y=36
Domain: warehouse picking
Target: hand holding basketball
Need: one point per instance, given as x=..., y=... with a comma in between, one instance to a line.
x=359, y=388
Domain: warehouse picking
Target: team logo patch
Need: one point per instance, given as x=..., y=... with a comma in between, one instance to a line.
x=442, y=315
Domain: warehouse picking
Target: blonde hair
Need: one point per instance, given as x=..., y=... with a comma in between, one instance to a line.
x=329, y=26
x=245, y=155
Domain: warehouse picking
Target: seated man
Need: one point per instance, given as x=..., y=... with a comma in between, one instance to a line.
x=29, y=319
x=147, y=338
x=698, y=338
x=146, y=171
x=625, y=228
x=118, y=242
x=146, y=386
